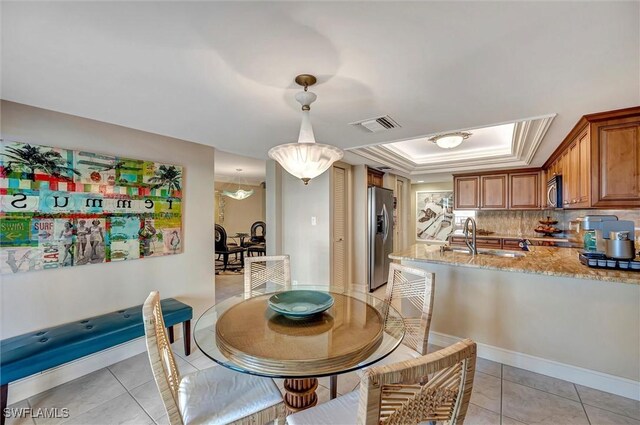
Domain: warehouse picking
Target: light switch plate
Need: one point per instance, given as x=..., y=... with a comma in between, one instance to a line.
x=314, y=220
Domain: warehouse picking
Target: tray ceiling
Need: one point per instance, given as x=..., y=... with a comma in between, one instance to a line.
x=507, y=145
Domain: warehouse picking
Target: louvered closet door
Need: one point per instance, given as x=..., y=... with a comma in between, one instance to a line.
x=339, y=242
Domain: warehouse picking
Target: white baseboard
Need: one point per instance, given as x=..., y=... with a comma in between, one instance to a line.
x=35, y=384
x=589, y=378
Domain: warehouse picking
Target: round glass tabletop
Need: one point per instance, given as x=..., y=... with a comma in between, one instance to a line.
x=246, y=335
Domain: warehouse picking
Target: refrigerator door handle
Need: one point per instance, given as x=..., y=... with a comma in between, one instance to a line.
x=386, y=222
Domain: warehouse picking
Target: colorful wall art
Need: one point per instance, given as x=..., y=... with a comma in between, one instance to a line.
x=64, y=208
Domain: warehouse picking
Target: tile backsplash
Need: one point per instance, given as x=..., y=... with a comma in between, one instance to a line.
x=522, y=223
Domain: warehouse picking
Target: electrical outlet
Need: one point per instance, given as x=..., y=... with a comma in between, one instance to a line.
x=314, y=220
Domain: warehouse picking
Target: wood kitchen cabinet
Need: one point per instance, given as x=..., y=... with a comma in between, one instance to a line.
x=374, y=177
x=583, y=195
x=493, y=243
x=599, y=161
x=494, y=192
x=514, y=189
x=616, y=163
x=466, y=192
x=525, y=192
x=576, y=172
x=571, y=176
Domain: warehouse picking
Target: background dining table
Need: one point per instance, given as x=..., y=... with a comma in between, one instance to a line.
x=244, y=334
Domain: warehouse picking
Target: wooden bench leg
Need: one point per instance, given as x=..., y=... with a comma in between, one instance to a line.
x=186, y=330
x=170, y=329
x=4, y=391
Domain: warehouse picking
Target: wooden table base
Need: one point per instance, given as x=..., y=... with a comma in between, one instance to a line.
x=300, y=394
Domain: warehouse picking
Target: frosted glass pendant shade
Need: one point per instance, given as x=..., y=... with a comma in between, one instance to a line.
x=239, y=194
x=305, y=160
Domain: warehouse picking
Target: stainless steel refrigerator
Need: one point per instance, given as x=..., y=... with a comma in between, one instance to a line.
x=380, y=223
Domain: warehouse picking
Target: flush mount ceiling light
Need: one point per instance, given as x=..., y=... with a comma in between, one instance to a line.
x=305, y=159
x=238, y=194
x=450, y=140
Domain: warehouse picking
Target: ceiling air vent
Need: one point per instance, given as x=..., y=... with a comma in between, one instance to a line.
x=375, y=125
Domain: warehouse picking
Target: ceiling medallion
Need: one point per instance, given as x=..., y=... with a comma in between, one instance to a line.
x=305, y=159
x=450, y=140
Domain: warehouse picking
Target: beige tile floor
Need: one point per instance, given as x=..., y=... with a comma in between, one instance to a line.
x=125, y=392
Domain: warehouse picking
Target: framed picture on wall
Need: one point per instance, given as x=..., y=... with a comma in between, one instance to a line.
x=434, y=215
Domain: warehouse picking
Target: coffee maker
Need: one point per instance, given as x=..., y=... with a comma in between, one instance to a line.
x=593, y=225
x=613, y=238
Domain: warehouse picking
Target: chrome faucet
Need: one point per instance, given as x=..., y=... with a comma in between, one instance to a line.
x=473, y=250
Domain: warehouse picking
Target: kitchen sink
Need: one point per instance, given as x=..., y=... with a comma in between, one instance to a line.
x=494, y=252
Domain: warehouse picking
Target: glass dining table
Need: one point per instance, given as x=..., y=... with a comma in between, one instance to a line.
x=244, y=334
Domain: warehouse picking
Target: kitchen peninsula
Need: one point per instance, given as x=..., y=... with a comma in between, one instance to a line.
x=544, y=312
x=548, y=261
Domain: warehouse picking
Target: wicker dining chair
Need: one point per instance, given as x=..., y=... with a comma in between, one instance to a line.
x=273, y=272
x=211, y=396
x=411, y=292
x=393, y=394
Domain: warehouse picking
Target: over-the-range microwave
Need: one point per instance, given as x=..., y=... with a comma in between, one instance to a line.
x=554, y=192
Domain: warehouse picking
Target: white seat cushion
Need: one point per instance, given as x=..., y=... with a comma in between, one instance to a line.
x=339, y=411
x=400, y=354
x=218, y=396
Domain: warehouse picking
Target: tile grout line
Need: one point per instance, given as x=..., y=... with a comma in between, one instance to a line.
x=582, y=404
x=33, y=420
x=611, y=411
x=105, y=401
x=153, y=421
x=545, y=391
x=600, y=407
x=131, y=395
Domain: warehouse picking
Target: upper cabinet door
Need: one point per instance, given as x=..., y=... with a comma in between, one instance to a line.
x=494, y=192
x=583, y=195
x=525, y=190
x=466, y=192
x=572, y=181
x=616, y=159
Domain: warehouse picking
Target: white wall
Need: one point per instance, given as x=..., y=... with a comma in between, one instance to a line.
x=273, y=208
x=30, y=301
x=307, y=245
x=360, y=243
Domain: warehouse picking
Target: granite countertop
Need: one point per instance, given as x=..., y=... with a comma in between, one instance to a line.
x=549, y=261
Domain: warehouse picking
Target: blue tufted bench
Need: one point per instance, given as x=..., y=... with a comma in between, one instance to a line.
x=33, y=352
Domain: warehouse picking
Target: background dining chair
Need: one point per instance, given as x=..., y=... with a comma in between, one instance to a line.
x=258, y=232
x=224, y=249
x=211, y=396
x=272, y=272
x=257, y=243
x=393, y=394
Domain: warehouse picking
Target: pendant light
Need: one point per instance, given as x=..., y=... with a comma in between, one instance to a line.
x=305, y=159
x=239, y=194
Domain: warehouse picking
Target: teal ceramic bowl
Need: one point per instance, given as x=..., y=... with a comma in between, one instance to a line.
x=300, y=304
